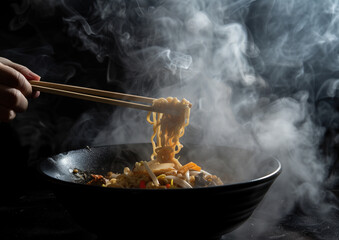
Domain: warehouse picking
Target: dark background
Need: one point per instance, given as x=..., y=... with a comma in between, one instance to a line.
x=28, y=207
x=41, y=43
x=40, y=40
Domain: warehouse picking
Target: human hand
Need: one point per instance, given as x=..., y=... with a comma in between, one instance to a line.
x=15, y=88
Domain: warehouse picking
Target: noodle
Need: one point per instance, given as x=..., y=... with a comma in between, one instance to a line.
x=168, y=129
x=163, y=170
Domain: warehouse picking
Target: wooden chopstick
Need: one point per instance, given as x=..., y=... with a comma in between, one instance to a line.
x=92, y=91
x=95, y=95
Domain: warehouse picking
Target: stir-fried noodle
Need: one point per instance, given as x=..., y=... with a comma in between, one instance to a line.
x=163, y=170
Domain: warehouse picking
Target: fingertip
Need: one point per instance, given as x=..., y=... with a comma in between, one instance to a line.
x=6, y=115
x=32, y=76
x=12, y=115
x=35, y=94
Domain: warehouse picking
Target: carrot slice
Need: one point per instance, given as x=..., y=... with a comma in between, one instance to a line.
x=189, y=166
x=97, y=179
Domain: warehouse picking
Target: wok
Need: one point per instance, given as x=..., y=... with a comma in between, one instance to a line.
x=202, y=213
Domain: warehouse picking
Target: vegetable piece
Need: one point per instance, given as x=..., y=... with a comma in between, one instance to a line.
x=159, y=166
x=189, y=166
x=168, y=185
x=151, y=174
x=206, y=173
x=161, y=177
x=187, y=176
x=182, y=183
x=97, y=180
x=142, y=184
x=200, y=181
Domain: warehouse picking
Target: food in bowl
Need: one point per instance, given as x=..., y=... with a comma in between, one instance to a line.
x=163, y=170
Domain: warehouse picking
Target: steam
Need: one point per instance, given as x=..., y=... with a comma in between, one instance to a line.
x=257, y=73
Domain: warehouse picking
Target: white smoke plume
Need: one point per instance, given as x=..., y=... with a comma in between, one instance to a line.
x=249, y=68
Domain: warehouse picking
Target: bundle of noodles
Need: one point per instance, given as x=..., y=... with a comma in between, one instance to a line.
x=163, y=170
x=168, y=128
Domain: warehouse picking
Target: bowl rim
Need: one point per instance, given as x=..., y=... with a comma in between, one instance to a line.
x=232, y=186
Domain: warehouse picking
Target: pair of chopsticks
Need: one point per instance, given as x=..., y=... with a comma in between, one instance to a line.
x=95, y=95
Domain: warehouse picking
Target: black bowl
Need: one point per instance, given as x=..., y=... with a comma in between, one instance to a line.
x=202, y=213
